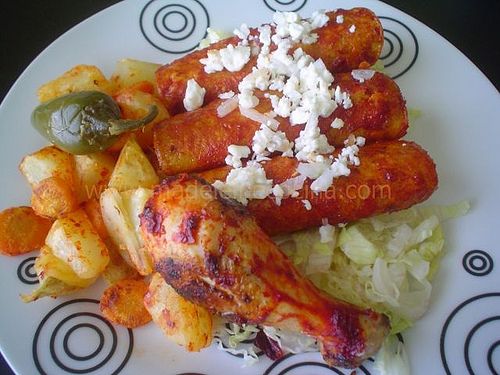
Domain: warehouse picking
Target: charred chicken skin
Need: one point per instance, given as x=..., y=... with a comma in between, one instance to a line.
x=212, y=252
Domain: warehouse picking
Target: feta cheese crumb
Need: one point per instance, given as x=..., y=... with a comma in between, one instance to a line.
x=278, y=193
x=337, y=123
x=193, y=98
x=230, y=58
x=246, y=183
x=243, y=32
x=352, y=29
x=362, y=75
x=234, y=58
x=226, y=95
x=307, y=204
x=339, y=19
x=267, y=140
x=236, y=153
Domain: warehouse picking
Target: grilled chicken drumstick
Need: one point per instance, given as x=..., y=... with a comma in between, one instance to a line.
x=212, y=252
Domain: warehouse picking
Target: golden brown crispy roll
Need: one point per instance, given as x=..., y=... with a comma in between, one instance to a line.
x=393, y=175
x=340, y=50
x=198, y=140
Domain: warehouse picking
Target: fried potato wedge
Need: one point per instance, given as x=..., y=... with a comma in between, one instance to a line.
x=74, y=240
x=123, y=303
x=78, y=78
x=117, y=268
x=48, y=162
x=93, y=210
x=119, y=215
x=92, y=174
x=56, y=278
x=133, y=169
x=53, y=198
x=128, y=72
x=22, y=230
x=182, y=321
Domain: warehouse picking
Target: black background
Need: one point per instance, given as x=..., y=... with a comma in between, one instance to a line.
x=28, y=26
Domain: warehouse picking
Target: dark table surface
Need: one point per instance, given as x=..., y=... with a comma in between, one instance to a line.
x=29, y=26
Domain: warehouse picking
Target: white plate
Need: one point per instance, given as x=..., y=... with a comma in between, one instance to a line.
x=459, y=128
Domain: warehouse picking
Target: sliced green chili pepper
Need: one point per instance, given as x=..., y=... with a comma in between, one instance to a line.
x=84, y=122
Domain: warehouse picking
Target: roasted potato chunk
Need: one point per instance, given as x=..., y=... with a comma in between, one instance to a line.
x=92, y=174
x=128, y=72
x=133, y=169
x=123, y=303
x=182, y=321
x=117, y=268
x=122, y=226
x=78, y=78
x=22, y=231
x=93, y=210
x=74, y=240
x=48, y=162
x=53, y=198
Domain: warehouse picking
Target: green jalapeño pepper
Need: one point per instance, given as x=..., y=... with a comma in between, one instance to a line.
x=84, y=122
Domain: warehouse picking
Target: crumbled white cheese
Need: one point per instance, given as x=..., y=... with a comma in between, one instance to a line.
x=278, y=193
x=342, y=98
x=319, y=19
x=307, y=204
x=234, y=58
x=193, y=98
x=236, y=153
x=339, y=19
x=337, y=123
x=362, y=75
x=352, y=29
x=267, y=140
x=226, y=95
x=246, y=183
x=310, y=143
x=247, y=99
x=243, y=32
x=230, y=58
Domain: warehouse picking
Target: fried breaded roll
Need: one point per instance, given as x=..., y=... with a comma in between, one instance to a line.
x=340, y=50
x=213, y=253
x=198, y=140
x=392, y=175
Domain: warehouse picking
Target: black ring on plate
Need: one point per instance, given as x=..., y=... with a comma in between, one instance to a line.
x=412, y=34
x=448, y=321
x=163, y=35
x=26, y=271
x=90, y=369
x=305, y=363
x=182, y=28
x=484, y=268
x=400, y=49
x=391, y=48
x=492, y=348
x=469, y=338
x=54, y=357
x=285, y=3
x=76, y=357
x=157, y=14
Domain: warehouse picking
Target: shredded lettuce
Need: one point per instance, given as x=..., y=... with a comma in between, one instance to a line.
x=385, y=263
x=236, y=340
